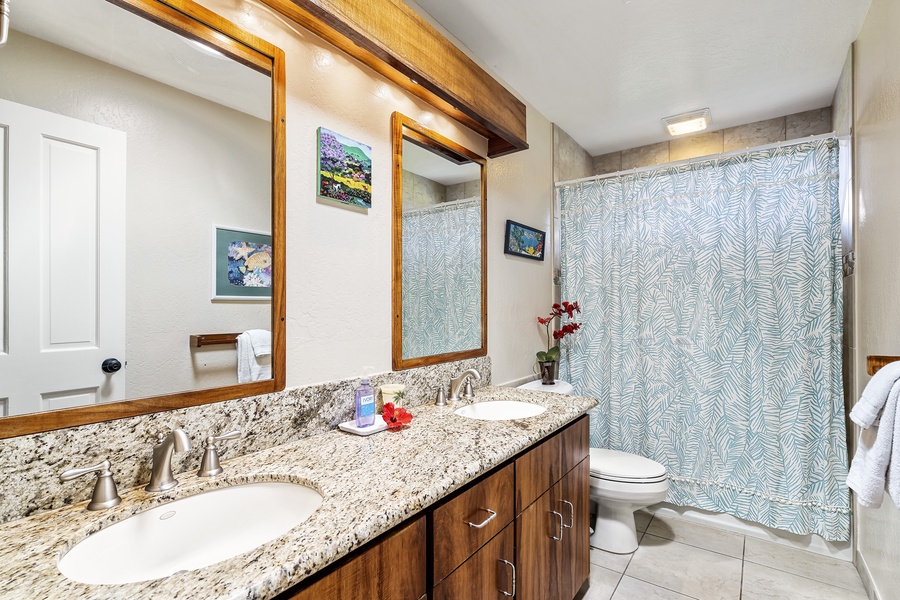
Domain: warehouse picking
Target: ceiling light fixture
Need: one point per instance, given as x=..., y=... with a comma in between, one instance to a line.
x=685, y=123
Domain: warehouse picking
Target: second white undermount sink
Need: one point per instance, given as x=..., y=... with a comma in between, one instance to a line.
x=190, y=533
x=500, y=410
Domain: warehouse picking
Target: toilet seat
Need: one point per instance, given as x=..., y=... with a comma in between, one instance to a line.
x=623, y=467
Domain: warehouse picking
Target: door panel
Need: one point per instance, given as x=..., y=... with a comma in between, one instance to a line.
x=572, y=499
x=537, y=551
x=483, y=576
x=64, y=300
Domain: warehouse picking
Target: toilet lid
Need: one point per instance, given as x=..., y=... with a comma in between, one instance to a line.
x=624, y=466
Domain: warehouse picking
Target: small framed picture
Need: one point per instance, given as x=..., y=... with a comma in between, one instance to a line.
x=345, y=170
x=522, y=240
x=242, y=264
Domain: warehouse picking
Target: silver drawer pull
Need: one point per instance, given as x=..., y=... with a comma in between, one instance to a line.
x=485, y=522
x=553, y=537
x=513, y=569
x=571, y=513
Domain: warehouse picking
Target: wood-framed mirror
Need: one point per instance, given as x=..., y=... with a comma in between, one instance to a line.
x=142, y=165
x=439, y=248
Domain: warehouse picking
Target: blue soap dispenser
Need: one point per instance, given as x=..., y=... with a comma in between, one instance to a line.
x=365, y=402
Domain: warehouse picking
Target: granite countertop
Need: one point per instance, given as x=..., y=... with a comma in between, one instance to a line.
x=369, y=484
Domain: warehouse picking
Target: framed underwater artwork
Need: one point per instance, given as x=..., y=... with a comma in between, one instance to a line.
x=242, y=264
x=344, y=170
x=522, y=240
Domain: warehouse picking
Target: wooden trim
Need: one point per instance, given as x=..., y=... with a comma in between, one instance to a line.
x=875, y=362
x=403, y=126
x=194, y=21
x=200, y=340
x=392, y=39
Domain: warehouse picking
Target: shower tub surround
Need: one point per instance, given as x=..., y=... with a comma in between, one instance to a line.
x=369, y=485
x=30, y=465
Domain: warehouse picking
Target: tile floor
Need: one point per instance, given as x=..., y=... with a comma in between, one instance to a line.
x=681, y=560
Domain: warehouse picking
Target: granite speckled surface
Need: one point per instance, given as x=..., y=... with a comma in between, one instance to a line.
x=30, y=465
x=370, y=484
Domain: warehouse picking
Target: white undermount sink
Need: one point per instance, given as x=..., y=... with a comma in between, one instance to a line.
x=190, y=533
x=500, y=410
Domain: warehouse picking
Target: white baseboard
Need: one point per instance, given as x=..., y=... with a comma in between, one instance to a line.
x=810, y=543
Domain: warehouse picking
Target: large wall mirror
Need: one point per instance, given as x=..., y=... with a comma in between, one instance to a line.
x=141, y=166
x=440, y=264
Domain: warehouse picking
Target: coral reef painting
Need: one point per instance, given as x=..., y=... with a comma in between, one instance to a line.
x=345, y=170
x=242, y=267
x=522, y=240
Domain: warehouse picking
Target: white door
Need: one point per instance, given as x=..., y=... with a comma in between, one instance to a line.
x=62, y=182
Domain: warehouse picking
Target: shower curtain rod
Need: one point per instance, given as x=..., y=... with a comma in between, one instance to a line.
x=444, y=205
x=698, y=159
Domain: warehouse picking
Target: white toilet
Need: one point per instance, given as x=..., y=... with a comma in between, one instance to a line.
x=621, y=483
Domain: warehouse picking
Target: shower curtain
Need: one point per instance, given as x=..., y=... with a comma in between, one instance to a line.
x=712, y=309
x=442, y=278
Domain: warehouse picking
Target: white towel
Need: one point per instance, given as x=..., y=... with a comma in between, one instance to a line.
x=865, y=412
x=261, y=340
x=893, y=476
x=876, y=454
x=252, y=345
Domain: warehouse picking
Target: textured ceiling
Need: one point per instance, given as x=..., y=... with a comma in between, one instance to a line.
x=607, y=71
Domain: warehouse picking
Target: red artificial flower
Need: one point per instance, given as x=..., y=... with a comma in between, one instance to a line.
x=544, y=321
x=395, y=418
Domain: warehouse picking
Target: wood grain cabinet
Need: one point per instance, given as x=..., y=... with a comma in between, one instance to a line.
x=552, y=533
x=519, y=532
x=393, y=568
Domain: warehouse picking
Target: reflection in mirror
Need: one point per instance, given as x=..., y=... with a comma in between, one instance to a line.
x=124, y=143
x=439, y=212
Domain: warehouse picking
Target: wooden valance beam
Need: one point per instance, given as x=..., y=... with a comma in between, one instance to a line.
x=395, y=41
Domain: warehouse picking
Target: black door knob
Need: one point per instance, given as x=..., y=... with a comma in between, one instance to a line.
x=111, y=365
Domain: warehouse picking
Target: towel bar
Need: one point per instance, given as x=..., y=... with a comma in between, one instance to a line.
x=875, y=362
x=210, y=339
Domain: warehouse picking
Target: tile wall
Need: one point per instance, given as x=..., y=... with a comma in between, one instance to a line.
x=790, y=127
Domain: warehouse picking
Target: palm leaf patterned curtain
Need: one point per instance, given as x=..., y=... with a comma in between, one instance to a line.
x=712, y=329
x=442, y=278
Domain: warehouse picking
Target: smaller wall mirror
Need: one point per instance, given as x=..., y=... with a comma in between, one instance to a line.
x=440, y=264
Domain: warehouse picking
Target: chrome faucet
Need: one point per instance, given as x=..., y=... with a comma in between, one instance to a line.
x=161, y=477
x=457, y=382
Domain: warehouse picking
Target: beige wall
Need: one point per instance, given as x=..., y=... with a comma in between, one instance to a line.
x=339, y=261
x=790, y=127
x=877, y=141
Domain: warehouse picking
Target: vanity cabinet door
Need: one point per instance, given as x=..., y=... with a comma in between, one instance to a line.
x=488, y=574
x=553, y=540
x=572, y=499
x=541, y=467
x=537, y=552
x=392, y=569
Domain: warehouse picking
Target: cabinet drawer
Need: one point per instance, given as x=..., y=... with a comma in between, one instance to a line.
x=486, y=575
x=541, y=467
x=465, y=523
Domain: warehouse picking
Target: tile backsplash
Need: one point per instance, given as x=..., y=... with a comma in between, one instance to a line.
x=30, y=465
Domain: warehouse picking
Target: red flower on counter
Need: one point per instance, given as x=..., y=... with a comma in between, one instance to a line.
x=396, y=418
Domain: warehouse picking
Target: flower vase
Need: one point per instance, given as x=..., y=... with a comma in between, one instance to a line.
x=548, y=371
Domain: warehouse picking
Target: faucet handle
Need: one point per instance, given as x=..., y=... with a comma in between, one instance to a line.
x=468, y=392
x=105, y=493
x=440, y=398
x=209, y=465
